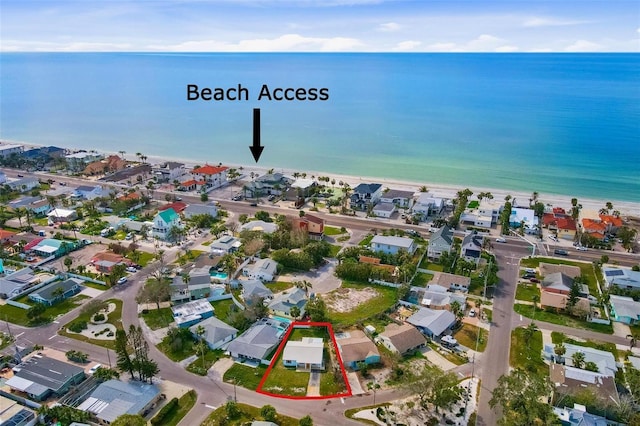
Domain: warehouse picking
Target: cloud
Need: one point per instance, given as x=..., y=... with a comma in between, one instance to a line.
x=441, y=47
x=535, y=22
x=583, y=46
x=406, y=45
x=506, y=49
x=27, y=46
x=283, y=43
x=389, y=27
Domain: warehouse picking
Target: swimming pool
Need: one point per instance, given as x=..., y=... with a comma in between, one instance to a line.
x=219, y=275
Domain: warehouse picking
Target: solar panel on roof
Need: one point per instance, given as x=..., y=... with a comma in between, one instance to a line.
x=614, y=273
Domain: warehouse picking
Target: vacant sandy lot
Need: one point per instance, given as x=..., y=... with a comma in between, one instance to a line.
x=346, y=299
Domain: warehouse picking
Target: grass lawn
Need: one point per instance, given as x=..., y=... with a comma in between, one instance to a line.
x=527, y=291
x=330, y=385
x=64, y=306
x=114, y=318
x=245, y=376
x=190, y=256
x=468, y=334
x=248, y=413
x=95, y=285
x=334, y=250
x=332, y=230
x=431, y=266
x=188, y=348
x=454, y=358
x=379, y=304
x=379, y=322
x=143, y=258
x=210, y=358
x=119, y=235
x=207, y=243
x=158, y=318
x=278, y=286
x=586, y=269
x=561, y=319
x=14, y=315
x=526, y=352
x=421, y=279
x=366, y=241
x=286, y=381
x=603, y=346
x=185, y=404
x=221, y=308
x=488, y=313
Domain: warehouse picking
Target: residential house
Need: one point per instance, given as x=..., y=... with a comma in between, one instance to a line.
x=7, y=149
x=164, y=221
x=15, y=414
x=111, y=164
x=578, y=416
x=168, y=171
x=613, y=223
x=365, y=195
x=427, y=205
x=216, y=332
x=39, y=207
x=402, y=339
x=604, y=360
x=106, y=260
x=58, y=215
x=16, y=282
x=440, y=242
x=196, y=286
x=301, y=187
x=269, y=184
x=115, y=398
x=312, y=224
x=624, y=309
x=357, y=348
x=44, y=153
x=383, y=210
x=304, y=355
x=6, y=237
x=393, y=245
x=621, y=277
x=257, y=342
x=23, y=184
x=438, y=297
x=193, y=185
x=432, y=323
x=259, y=226
x=550, y=268
x=401, y=199
x=571, y=381
x=471, y=247
x=452, y=282
x=51, y=247
x=484, y=215
x=56, y=291
x=200, y=209
x=128, y=175
x=190, y=313
x=214, y=176
x=566, y=228
x=40, y=377
x=252, y=289
x=559, y=301
x=177, y=206
x=263, y=269
x=77, y=161
x=524, y=217
x=225, y=244
x=555, y=289
x=594, y=228
x=88, y=192
x=282, y=304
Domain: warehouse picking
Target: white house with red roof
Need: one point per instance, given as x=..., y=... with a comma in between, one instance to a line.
x=213, y=176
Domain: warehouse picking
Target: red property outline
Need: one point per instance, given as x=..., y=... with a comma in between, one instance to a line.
x=281, y=348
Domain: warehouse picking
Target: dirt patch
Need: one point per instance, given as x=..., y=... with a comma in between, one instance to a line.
x=346, y=299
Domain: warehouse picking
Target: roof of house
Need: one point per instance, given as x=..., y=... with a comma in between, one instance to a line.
x=526, y=215
x=402, y=242
x=384, y=207
x=591, y=225
x=191, y=311
x=87, y=188
x=45, y=373
x=209, y=170
x=214, y=329
x=57, y=212
x=308, y=350
x=403, y=337
x=12, y=282
x=435, y=321
x=254, y=288
x=47, y=292
x=312, y=218
x=168, y=215
x=129, y=196
x=6, y=234
x=569, y=380
x=445, y=233
x=578, y=416
x=285, y=301
x=264, y=266
x=114, y=398
x=625, y=306
x=566, y=223
x=612, y=220
x=367, y=188
x=356, y=347
x=193, y=209
x=259, y=225
x=557, y=281
x=177, y=206
x=605, y=361
x=256, y=341
x=48, y=245
x=550, y=268
x=439, y=298
x=427, y=198
x=447, y=280
x=107, y=255
x=397, y=193
x=621, y=276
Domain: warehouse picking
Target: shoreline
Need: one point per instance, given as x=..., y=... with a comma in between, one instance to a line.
x=442, y=190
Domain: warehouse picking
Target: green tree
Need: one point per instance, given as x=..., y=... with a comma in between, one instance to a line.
x=63, y=414
x=102, y=374
x=36, y=311
x=124, y=359
x=204, y=197
x=232, y=409
x=154, y=291
x=436, y=387
x=578, y=359
x=317, y=310
x=591, y=366
x=295, y=312
x=559, y=350
x=129, y=420
x=68, y=261
x=522, y=397
x=117, y=271
x=306, y=421
x=269, y=413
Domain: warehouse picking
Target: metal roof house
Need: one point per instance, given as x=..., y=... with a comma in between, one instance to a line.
x=392, y=245
x=191, y=313
x=304, y=355
x=432, y=323
x=257, y=342
x=41, y=376
x=57, y=291
x=216, y=332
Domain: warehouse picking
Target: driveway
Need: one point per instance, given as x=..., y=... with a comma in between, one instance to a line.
x=437, y=359
x=323, y=279
x=620, y=329
x=313, y=388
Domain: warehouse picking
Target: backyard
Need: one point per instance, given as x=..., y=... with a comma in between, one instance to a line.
x=377, y=301
x=529, y=311
x=526, y=351
x=421, y=279
x=221, y=308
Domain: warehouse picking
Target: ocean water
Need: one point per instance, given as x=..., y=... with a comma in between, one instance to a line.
x=554, y=123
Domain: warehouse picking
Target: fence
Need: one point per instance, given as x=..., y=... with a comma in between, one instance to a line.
x=84, y=278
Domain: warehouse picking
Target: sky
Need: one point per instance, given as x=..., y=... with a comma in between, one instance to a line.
x=320, y=26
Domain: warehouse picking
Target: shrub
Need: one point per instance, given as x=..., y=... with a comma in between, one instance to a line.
x=78, y=326
x=98, y=317
x=164, y=412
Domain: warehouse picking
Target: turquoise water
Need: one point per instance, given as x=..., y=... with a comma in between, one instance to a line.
x=557, y=123
x=219, y=275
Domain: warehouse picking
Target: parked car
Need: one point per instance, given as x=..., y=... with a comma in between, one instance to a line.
x=122, y=280
x=131, y=269
x=527, y=276
x=561, y=252
x=254, y=204
x=530, y=270
x=271, y=197
x=581, y=248
x=94, y=368
x=501, y=240
x=472, y=313
x=534, y=280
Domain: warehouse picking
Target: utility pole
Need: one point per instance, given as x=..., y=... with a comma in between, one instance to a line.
x=109, y=358
x=15, y=344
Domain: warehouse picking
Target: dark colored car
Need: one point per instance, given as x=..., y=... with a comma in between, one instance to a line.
x=561, y=252
x=534, y=280
x=254, y=204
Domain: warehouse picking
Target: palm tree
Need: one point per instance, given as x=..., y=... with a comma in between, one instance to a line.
x=535, y=299
x=578, y=359
x=559, y=350
x=139, y=155
x=634, y=339
x=609, y=205
x=19, y=214
x=122, y=153
x=305, y=285
x=200, y=331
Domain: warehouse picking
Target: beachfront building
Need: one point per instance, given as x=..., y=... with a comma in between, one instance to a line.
x=163, y=222
x=525, y=218
x=301, y=187
x=312, y=224
x=484, y=214
x=399, y=198
x=440, y=242
x=269, y=184
x=365, y=195
x=304, y=355
x=7, y=149
x=168, y=171
x=427, y=205
x=77, y=161
x=393, y=245
x=214, y=176
x=621, y=277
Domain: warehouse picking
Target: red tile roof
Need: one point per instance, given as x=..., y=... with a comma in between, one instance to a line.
x=209, y=170
x=566, y=223
x=178, y=206
x=6, y=234
x=548, y=219
x=31, y=244
x=312, y=218
x=188, y=183
x=613, y=220
x=132, y=196
x=558, y=210
x=590, y=225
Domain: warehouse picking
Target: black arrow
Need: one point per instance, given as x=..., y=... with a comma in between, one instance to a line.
x=256, y=148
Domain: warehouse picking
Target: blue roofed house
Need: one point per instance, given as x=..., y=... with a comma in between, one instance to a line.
x=624, y=309
x=578, y=416
x=52, y=247
x=282, y=304
x=115, y=398
x=23, y=184
x=621, y=277
x=355, y=347
x=164, y=221
x=190, y=313
x=365, y=195
x=432, y=323
x=40, y=377
x=56, y=291
x=216, y=332
x=392, y=245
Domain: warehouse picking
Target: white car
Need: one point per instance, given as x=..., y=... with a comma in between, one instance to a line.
x=581, y=248
x=94, y=368
x=131, y=269
x=472, y=313
x=501, y=240
x=122, y=280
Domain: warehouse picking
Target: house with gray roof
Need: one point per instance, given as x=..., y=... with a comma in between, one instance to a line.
x=57, y=291
x=225, y=244
x=560, y=283
x=268, y=184
x=23, y=184
x=259, y=226
x=200, y=209
x=578, y=416
x=402, y=339
x=114, y=398
x=88, y=192
x=605, y=361
x=392, y=244
x=624, y=309
x=621, y=277
x=365, y=195
x=571, y=381
x=191, y=313
x=41, y=376
x=196, y=286
x=14, y=283
x=451, y=282
x=440, y=242
x=257, y=342
x=383, y=210
x=282, y=304
x=263, y=269
x=433, y=297
x=252, y=289
x=216, y=332
x=432, y=323
x=355, y=347
x=471, y=247
x=402, y=199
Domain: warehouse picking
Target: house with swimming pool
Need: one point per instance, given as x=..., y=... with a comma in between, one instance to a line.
x=196, y=284
x=258, y=342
